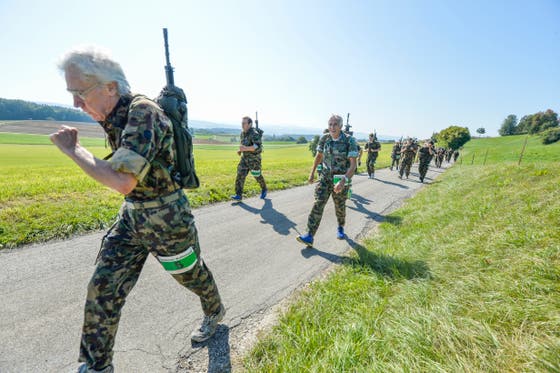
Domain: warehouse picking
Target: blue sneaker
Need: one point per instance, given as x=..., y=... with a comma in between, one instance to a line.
x=305, y=239
x=236, y=197
x=340, y=233
x=263, y=194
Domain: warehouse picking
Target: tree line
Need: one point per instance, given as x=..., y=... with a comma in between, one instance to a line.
x=26, y=110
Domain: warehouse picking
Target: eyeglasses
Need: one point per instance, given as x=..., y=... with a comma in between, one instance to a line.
x=333, y=124
x=82, y=94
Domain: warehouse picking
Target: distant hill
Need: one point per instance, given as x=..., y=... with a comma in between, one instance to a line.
x=26, y=110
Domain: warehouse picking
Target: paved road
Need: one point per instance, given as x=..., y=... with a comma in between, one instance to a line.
x=250, y=248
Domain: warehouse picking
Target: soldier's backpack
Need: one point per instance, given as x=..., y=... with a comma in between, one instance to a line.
x=173, y=101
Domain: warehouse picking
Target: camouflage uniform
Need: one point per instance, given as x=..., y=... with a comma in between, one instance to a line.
x=250, y=161
x=371, y=156
x=155, y=218
x=455, y=155
x=395, y=156
x=336, y=161
x=408, y=153
x=439, y=157
x=424, y=157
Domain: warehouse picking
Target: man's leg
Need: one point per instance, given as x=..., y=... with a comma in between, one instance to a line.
x=242, y=171
x=339, y=200
x=322, y=192
x=256, y=171
x=117, y=271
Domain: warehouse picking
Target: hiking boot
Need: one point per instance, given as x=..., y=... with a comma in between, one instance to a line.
x=236, y=197
x=263, y=194
x=340, y=233
x=84, y=369
x=208, y=326
x=305, y=239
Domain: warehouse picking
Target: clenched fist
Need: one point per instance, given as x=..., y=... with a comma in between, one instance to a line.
x=66, y=139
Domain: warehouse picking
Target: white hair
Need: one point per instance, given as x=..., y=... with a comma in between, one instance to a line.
x=338, y=119
x=94, y=63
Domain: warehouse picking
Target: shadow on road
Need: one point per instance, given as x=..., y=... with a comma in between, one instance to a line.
x=219, y=360
x=308, y=252
x=392, y=183
x=279, y=222
x=359, y=206
x=388, y=266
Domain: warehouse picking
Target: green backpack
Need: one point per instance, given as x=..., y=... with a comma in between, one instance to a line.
x=174, y=103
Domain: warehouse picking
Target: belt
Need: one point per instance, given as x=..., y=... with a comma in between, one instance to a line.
x=156, y=202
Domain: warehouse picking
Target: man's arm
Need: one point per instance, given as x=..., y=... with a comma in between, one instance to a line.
x=347, y=176
x=66, y=139
x=316, y=162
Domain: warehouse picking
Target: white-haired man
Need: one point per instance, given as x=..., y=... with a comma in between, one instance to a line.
x=155, y=216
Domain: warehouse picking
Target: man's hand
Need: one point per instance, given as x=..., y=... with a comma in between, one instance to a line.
x=66, y=139
x=339, y=186
x=311, y=178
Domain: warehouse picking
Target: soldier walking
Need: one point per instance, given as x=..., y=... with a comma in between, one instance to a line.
x=155, y=217
x=408, y=152
x=425, y=155
x=337, y=153
x=372, y=147
x=396, y=155
x=250, y=151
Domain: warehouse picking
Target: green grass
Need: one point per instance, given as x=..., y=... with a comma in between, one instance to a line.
x=43, y=195
x=464, y=278
x=508, y=149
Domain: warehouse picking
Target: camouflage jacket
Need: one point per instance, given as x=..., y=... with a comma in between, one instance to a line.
x=424, y=154
x=396, y=150
x=337, y=153
x=408, y=151
x=372, y=145
x=251, y=138
x=141, y=137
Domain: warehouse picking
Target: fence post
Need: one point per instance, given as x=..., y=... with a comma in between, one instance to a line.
x=523, y=150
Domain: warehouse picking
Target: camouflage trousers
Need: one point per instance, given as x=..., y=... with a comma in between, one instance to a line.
x=246, y=165
x=395, y=162
x=323, y=191
x=162, y=229
x=423, y=167
x=405, y=166
x=371, y=164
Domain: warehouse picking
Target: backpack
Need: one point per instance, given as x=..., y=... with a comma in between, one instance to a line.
x=174, y=104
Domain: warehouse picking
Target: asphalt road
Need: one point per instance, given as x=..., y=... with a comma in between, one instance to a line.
x=250, y=248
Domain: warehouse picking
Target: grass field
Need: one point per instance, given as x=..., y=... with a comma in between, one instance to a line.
x=43, y=195
x=464, y=278
x=508, y=149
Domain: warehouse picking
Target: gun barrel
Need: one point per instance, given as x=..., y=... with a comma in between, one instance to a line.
x=257, y=119
x=168, y=67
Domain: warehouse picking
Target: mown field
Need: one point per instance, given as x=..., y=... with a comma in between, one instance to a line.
x=464, y=278
x=43, y=195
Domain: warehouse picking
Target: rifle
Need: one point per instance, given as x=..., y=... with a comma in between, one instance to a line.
x=168, y=68
x=257, y=120
x=173, y=101
x=348, y=126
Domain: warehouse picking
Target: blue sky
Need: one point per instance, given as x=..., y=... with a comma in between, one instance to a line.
x=399, y=67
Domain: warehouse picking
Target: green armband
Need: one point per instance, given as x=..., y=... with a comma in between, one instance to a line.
x=179, y=263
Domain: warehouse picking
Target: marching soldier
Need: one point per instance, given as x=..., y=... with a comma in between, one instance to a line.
x=396, y=155
x=337, y=153
x=250, y=151
x=408, y=152
x=155, y=217
x=372, y=147
x=425, y=155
